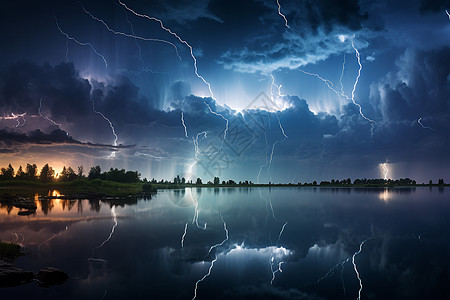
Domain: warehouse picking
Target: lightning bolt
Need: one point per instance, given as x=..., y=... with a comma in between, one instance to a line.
x=45, y=117
x=341, y=92
x=226, y=124
x=16, y=117
x=285, y=137
x=135, y=37
x=356, y=269
x=283, y=16
x=184, y=125
x=196, y=151
x=79, y=43
x=342, y=265
x=17, y=238
x=226, y=236
x=267, y=160
x=386, y=171
x=204, y=277
x=356, y=83
x=275, y=271
x=448, y=14
x=191, y=51
x=331, y=273
x=51, y=238
x=113, y=130
x=113, y=212
x=342, y=74
x=423, y=126
x=184, y=234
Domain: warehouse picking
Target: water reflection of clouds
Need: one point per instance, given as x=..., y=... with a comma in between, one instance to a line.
x=326, y=227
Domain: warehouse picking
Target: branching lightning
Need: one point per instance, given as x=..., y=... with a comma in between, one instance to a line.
x=423, y=126
x=448, y=14
x=80, y=43
x=342, y=265
x=275, y=271
x=191, y=51
x=16, y=117
x=51, y=238
x=269, y=159
x=283, y=16
x=356, y=83
x=341, y=92
x=135, y=37
x=45, y=117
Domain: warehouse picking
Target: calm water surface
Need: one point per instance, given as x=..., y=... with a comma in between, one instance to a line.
x=258, y=243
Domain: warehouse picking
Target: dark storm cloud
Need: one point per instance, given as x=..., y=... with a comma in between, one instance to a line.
x=434, y=6
x=324, y=14
x=420, y=87
x=312, y=37
x=10, y=140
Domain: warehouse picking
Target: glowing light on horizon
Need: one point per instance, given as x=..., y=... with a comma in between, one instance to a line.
x=385, y=169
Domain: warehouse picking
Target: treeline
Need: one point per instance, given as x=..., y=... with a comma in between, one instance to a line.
x=47, y=174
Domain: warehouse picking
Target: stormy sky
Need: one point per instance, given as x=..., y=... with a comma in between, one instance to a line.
x=300, y=91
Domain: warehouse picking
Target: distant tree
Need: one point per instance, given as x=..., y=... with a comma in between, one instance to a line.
x=31, y=172
x=314, y=182
x=47, y=174
x=177, y=180
x=199, y=181
x=216, y=181
x=67, y=175
x=20, y=174
x=430, y=182
x=95, y=172
x=80, y=171
x=441, y=181
x=183, y=180
x=7, y=173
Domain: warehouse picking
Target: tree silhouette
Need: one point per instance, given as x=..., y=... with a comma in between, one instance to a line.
x=31, y=172
x=46, y=174
x=95, y=172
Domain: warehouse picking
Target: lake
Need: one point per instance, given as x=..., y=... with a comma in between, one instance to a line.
x=240, y=243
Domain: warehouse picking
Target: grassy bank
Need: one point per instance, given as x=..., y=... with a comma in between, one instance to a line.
x=94, y=187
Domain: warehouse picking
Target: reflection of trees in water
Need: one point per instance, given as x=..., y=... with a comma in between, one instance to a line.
x=46, y=205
